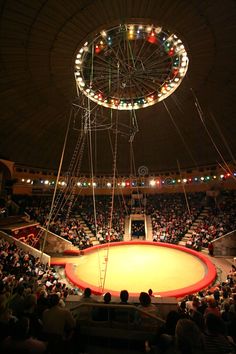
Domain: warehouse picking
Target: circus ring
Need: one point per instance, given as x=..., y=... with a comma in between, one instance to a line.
x=170, y=270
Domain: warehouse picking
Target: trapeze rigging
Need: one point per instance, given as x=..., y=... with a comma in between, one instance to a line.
x=118, y=72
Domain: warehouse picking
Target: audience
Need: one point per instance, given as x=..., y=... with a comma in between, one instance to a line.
x=33, y=311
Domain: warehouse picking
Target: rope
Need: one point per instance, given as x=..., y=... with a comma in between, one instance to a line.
x=201, y=116
x=93, y=187
x=179, y=132
x=185, y=195
x=55, y=189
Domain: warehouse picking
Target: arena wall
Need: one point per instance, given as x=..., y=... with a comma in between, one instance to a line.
x=55, y=244
x=225, y=245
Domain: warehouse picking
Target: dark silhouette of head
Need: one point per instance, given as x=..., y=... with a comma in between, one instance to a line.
x=107, y=298
x=54, y=300
x=150, y=292
x=188, y=337
x=214, y=324
x=144, y=299
x=124, y=296
x=171, y=322
x=87, y=292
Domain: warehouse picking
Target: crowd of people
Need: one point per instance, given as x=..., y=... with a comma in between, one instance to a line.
x=105, y=224
x=34, y=317
x=33, y=313
x=220, y=219
x=172, y=216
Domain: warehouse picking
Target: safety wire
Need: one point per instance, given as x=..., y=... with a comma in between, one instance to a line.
x=120, y=187
x=93, y=186
x=133, y=168
x=113, y=181
x=55, y=189
x=180, y=134
x=185, y=195
x=112, y=201
x=223, y=138
x=201, y=116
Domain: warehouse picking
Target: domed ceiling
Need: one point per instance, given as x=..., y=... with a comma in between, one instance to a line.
x=193, y=126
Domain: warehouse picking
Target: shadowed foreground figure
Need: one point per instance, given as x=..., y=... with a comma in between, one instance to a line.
x=19, y=342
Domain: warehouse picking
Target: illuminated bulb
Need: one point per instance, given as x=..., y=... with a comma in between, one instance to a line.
x=22, y=180
x=123, y=184
x=28, y=181
x=152, y=183
x=184, y=180
x=85, y=44
x=81, y=50
x=202, y=178
x=148, y=29
x=78, y=184
x=78, y=56
x=94, y=184
x=158, y=29
x=82, y=84
x=176, y=79
x=103, y=33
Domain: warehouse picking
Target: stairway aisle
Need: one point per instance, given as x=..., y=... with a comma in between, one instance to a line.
x=194, y=226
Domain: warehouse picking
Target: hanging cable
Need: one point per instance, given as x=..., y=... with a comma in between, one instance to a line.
x=201, y=116
x=55, y=189
x=185, y=195
x=112, y=201
x=93, y=190
x=223, y=138
x=180, y=134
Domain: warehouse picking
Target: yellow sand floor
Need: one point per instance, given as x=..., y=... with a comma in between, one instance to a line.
x=140, y=267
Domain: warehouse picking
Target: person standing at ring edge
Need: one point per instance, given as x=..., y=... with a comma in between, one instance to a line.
x=211, y=249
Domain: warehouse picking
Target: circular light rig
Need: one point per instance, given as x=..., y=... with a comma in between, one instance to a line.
x=130, y=66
